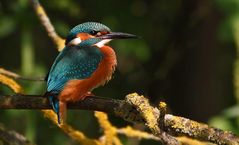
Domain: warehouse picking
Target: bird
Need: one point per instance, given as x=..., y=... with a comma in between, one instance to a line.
x=85, y=63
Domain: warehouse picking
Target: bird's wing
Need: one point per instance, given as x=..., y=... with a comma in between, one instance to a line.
x=73, y=63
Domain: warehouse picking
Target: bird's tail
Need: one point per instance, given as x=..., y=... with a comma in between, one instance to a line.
x=59, y=107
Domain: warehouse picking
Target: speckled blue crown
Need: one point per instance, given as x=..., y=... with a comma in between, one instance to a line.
x=86, y=27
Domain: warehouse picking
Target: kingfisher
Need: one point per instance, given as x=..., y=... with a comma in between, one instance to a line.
x=85, y=63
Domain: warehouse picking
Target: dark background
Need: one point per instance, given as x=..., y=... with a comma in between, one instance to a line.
x=185, y=56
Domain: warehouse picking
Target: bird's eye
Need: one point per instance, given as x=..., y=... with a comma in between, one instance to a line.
x=93, y=32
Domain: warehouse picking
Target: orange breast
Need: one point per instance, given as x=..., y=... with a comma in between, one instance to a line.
x=76, y=89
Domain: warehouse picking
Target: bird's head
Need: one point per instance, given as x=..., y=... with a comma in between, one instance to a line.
x=92, y=33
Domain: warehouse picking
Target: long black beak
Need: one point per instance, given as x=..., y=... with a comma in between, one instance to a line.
x=118, y=35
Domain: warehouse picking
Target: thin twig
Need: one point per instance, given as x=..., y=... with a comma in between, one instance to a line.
x=12, y=84
x=173, y=125
x=12, y=137
x=70, y=131
x=17, y=76
x=131, y=132
x=45, y=21
x=110, y=131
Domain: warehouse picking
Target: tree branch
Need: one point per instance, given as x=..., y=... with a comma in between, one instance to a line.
x=17, y=76
x=12, y=137
x=173, y=125
x=45, y=21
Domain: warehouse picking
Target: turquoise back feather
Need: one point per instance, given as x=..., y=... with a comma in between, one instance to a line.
x=74, y=62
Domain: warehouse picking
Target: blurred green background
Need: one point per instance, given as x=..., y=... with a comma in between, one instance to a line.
x=185, y=56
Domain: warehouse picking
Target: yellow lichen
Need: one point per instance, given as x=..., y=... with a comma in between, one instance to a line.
x=117, y=141
x=51, y=30
x=189, y=141
x=60, y=43
x=10, y=83
x=148, y=112
x=74, y=134
x=40, y=10
x=177, y=123
x=8, y=73
x=162, y=105
x=130, y=132
x=109, y=130
x=186, y=126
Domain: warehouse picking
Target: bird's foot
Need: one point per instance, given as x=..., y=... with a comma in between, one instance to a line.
x=88, y=94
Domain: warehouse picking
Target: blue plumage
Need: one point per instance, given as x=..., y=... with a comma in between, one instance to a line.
x=80, y=59
x=73, y=62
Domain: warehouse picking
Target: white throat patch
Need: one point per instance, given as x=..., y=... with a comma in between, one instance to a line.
x=75, y=41
x=102, y=42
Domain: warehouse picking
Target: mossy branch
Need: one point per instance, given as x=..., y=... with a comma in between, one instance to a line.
x=126, y=109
